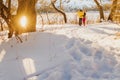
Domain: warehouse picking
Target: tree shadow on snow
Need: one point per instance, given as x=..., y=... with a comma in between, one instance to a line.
x=100, y=31
x=110, y=28
x=37, y=53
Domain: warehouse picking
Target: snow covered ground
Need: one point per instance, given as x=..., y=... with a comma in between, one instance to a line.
x=63, y=52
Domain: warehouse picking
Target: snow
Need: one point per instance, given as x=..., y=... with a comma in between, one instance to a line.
x=62, y=52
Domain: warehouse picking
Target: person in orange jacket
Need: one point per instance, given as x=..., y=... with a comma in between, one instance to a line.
x=80, y=14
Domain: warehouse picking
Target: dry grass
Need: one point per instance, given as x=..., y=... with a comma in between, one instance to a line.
x=72, y=18
x=117, y=35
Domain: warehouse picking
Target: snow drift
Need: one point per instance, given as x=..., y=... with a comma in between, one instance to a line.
x=66, y=52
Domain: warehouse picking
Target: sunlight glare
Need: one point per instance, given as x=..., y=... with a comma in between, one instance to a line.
x=29, y=66
x=23, y=21
x=2, y=54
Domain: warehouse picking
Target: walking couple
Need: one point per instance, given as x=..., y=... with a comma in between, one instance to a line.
x=82, y=17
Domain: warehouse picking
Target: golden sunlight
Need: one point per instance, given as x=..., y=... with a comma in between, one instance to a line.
x=29, y=66
x=2, y=54
x=23, y=21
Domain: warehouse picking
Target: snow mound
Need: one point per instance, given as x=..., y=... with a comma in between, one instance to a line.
x=62, y=53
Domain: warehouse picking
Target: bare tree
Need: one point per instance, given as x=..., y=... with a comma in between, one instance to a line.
x=25, y=8
x=5, y=14
x=113, y=9
x=53, y=4
x=100, y=10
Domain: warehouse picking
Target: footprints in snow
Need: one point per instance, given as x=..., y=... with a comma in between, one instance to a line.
x=80, y=49
x=77, y=49
x=91, y=62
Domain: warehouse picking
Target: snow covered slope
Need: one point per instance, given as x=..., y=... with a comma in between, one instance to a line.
x=63, y=52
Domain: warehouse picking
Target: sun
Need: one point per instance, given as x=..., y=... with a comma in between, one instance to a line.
x=23, y=21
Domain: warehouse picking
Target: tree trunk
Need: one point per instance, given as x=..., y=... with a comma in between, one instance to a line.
x=64, y=15
x=114, y=6
x=100, y=10
x=27, y=8
x=1, y=24
x=5, y=14
x=1, y=27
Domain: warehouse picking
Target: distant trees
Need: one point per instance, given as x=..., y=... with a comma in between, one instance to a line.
x=44, y=6
x=60, y=11
x=27, y=8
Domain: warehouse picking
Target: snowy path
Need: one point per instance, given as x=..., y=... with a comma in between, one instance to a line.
x=67, y=52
